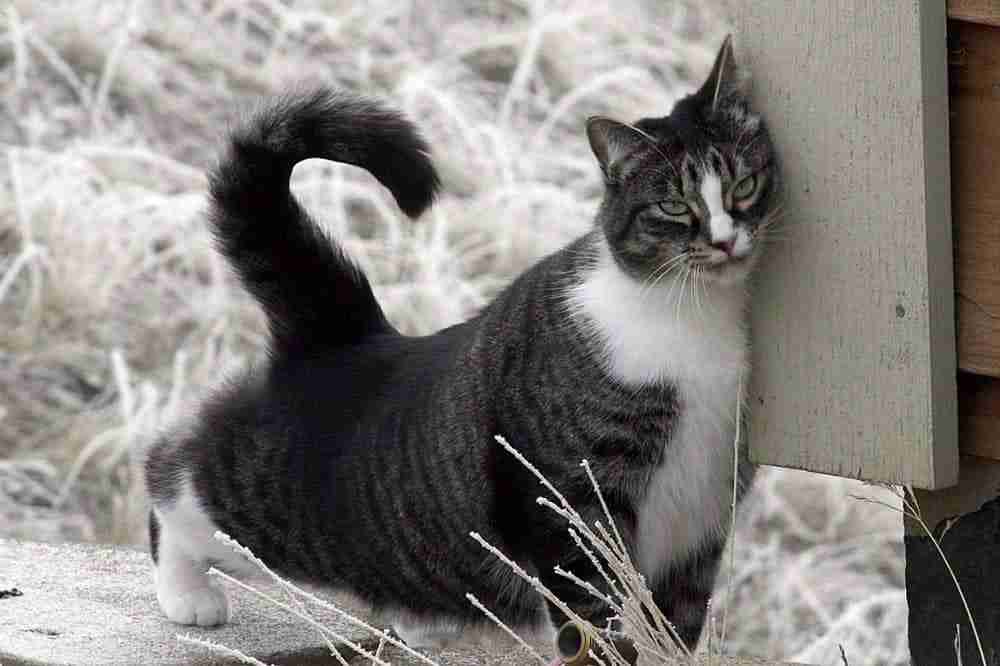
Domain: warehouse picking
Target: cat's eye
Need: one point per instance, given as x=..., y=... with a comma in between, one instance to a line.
x=674, y=208
x=745, y=188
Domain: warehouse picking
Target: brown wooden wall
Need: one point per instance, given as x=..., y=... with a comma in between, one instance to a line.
x=974, y=96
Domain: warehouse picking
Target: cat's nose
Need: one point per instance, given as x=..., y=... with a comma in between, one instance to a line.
x=726, y=246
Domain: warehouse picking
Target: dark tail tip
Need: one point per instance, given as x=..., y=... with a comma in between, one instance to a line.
x=332, y=125
x=364, y=132
x=414, y=186
x=400, y=158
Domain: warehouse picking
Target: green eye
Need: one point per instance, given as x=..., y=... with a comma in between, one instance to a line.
x=674, y=208
x=745, y=187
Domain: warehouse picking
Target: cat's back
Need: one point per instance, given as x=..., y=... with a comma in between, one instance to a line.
x=305, y=411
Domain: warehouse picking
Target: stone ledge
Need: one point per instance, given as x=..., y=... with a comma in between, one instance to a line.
x=84, y=605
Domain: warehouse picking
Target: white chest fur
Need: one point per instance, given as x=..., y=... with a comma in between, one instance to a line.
x=695, y=339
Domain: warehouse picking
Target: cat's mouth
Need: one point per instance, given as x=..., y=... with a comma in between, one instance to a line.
x=716, y=260
x=723, y=267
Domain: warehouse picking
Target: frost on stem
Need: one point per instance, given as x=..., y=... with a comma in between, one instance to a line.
x=628, y=595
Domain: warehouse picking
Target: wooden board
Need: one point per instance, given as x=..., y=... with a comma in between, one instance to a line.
x=974, y=89
x=976, y=11
x=980, y=483
x=979, y=415
x=853, y=322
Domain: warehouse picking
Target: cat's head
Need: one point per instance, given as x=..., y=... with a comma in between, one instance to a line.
x=692, y=191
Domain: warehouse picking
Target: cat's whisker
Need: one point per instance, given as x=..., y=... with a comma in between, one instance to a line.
x=685, y=290
x=656, y=275
x=778, y=232
x=662, y=272
x=666, y=267
x=703, y=288
x=696, y=284
x=768, y=238
x=680, y=292
x=648, y=291
x=677, y=284
x=670, y=262
x=696, y=275
x=776, y=216
x=773, y=231
x=774, y=225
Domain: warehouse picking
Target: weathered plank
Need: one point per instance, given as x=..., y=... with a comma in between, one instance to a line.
x=975, y=11
x=974, y=89
x=979, y=483
x=979, y=415
x=854, y=348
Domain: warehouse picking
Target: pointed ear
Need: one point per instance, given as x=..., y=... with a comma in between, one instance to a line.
x=725, y=79
x=611, y=141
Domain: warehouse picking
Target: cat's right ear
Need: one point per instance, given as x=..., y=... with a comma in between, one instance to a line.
x=612, y=141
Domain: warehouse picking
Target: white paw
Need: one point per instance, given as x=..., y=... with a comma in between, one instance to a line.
x=429, y=636
x=203, y=606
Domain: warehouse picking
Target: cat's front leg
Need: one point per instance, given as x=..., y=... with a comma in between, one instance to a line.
x=683, y=592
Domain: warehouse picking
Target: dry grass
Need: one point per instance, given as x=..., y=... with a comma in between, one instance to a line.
x=114, y=310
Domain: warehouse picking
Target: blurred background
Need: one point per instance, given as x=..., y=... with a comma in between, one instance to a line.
x=115, y=312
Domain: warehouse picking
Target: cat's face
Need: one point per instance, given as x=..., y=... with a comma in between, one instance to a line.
x=692, y=192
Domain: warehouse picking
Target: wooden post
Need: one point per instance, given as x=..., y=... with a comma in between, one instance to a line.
x=853, y=323
x=857, y=96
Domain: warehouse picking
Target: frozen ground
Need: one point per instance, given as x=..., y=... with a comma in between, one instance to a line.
x=113, y=309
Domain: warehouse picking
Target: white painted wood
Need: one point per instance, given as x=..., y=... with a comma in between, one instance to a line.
x=853, y=328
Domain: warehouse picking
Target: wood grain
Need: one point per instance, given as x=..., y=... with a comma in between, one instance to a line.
x=976, y=11
x=979, y=483
x=979, y=415
x=853, y=319
x=974, y=89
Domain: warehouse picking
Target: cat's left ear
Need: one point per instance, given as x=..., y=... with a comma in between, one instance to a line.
x=612, y=141
x=726, y=79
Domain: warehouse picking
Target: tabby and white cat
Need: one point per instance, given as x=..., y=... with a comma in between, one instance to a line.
x=360, y=458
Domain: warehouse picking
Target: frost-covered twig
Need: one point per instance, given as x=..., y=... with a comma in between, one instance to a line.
x=628, y=595
x=220, y=649
x=322, y=603
x=505, y=628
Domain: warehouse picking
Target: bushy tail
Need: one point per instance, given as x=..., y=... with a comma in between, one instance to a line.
x=312, y=293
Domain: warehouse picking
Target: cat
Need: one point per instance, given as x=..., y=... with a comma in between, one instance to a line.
x=359, y=458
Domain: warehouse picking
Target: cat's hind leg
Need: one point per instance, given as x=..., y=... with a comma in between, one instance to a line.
x=184, y=548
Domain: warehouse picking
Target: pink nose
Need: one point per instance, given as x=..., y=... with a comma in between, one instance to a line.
x=726, y=246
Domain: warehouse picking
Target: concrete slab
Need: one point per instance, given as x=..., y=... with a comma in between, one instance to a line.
x=83, y=605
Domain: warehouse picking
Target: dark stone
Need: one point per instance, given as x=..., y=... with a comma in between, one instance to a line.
x=972, y=547
x=12, y=592
x=51, y=633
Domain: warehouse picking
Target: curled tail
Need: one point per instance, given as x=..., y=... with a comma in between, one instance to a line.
x=313, y=294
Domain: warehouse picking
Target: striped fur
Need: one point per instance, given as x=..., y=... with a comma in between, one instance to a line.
x=361, y=459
